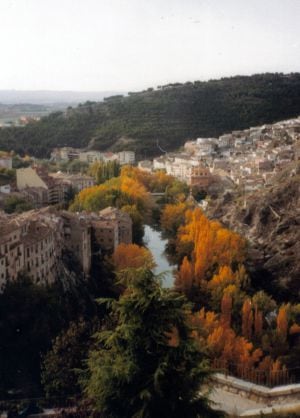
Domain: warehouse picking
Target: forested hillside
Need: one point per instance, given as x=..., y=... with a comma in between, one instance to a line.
x=169, y=115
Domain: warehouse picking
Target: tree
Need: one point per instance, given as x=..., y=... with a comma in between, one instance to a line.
x=137, y=222
x=247, y=319
x=149, y=365
x=16, y=204
x=172, y=217
x=132, y=256
x=282, y=323
x=69, y=349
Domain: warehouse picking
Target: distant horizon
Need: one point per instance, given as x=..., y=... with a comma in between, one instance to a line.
x=144, y=88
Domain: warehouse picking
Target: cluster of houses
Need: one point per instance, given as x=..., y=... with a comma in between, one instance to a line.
x=41, y=188
x=248, y=158
x=70, y=154
x=32, y=243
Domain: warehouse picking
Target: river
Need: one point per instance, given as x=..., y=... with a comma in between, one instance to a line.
x=157, y=245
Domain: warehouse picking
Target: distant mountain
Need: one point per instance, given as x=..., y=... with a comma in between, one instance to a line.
x=167, y=116
x=51, y=97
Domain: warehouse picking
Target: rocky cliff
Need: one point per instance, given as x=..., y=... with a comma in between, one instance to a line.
x=270, y=220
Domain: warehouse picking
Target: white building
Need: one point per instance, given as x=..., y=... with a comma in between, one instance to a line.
x=159, y=163
x=126, y=157
x=90, y=156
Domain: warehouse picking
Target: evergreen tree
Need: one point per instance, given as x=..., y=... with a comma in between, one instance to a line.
x=148, y=365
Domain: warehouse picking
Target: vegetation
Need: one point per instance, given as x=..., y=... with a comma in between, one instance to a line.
x=31, y=317
x=170, y=115
x=130, y=192
x=149, y=364
x=6, y=176
x=70, y=347
x=103, y=171
x=16, y=204
x=243, y=328
x=132, y=256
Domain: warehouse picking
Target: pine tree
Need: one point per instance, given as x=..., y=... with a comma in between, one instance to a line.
x=149, y=365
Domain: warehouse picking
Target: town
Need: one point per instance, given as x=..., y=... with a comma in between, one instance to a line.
x=56, y=229
x=246, y=160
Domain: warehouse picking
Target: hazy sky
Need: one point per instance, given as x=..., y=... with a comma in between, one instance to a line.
x=133, y=44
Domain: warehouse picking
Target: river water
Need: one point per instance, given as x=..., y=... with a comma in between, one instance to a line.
x=157, y=245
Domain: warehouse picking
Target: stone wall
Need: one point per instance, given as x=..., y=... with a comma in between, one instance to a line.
x=279, y=395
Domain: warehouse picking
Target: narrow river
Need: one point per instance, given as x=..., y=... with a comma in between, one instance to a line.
x=157, y=245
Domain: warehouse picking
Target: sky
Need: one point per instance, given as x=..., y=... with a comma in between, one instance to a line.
x=129, y=45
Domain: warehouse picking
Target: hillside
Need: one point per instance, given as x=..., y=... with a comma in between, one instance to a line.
x=169, y=115
x=270, y=221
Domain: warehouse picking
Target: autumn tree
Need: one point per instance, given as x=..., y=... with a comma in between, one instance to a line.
x=184, y=279
x=226, y=310
x=132, y=256
x=149, y=365
x=282, y=323
x=213, y=245
x=172, y=217
x=247, y=319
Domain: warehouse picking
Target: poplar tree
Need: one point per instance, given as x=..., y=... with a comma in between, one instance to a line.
x=148, y=365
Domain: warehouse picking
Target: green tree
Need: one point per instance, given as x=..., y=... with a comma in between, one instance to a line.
x=16, y=204
x=148, y=365
x=69, y=349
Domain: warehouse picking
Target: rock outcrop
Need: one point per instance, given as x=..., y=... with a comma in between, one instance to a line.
x=270, y=220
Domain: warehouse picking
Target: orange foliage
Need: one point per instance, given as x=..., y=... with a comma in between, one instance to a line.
x=226, y=308
x=295, y=329
x=247, y=319
x=222, y=341
x=184, y=279
x=213, y=244
x=132, y=256
x=173, y=337
x=282, y=323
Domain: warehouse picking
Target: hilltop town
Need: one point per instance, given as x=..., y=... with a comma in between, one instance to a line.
x=33, y=241
x=248, y=158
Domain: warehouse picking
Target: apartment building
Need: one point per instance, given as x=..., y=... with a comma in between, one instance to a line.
x=42, y=187
x=29, y=244
x=34, y=242
x=77, y=238
x=77, y=182
x=122, y=220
